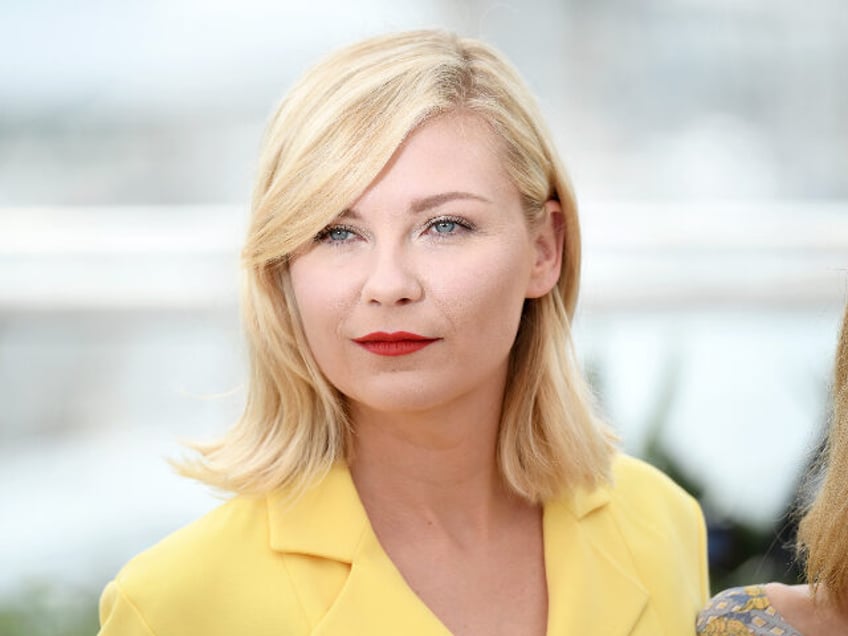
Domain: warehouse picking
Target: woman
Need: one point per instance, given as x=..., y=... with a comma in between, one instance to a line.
x=419, y=453
x=819, y=608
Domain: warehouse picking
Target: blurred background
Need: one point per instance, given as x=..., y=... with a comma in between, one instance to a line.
x=708, y=144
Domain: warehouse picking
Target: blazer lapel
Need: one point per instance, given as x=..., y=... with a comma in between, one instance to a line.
x=329, y=521
x=377, y=600
x=592, y=586
x=326, y=521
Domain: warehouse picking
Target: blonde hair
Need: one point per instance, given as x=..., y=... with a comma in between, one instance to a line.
x=823, y=531
x=331, y=136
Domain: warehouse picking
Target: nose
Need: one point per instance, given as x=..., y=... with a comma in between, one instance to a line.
x=392, y=278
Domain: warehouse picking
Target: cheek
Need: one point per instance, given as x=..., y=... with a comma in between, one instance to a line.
x=320, y=296
x=488, y=295
x=302, y=286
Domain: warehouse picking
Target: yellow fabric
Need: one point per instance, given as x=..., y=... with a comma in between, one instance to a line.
x=625, y=559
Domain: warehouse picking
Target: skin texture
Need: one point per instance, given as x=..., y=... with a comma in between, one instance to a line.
x=387, y=268
x=795, y=604
x=438, y=246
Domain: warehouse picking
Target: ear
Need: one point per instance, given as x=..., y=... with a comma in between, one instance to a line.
x=547, y=237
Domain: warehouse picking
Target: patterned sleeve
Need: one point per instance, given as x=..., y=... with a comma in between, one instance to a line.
x=742, y=611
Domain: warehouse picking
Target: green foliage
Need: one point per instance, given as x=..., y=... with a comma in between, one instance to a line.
x=740, y=553
x=46, y=610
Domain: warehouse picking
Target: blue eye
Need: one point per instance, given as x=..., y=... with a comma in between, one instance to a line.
x=335, y=234
x=338, y=234
x=448, y=226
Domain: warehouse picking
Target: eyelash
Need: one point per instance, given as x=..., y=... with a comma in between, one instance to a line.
x=324, y=235
x=463, y=223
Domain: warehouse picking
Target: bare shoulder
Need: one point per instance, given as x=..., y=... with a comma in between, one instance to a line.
x=791, y=601
x=797, y=606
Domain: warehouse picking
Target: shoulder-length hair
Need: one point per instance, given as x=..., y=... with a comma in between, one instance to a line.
x=823, y=531
x=330, y=137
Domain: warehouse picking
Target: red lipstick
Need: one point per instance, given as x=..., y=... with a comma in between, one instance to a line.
x=397, y=343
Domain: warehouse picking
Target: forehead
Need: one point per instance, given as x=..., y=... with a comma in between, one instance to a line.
x=452, y=152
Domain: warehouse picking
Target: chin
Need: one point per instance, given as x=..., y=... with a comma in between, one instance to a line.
x=398, y=400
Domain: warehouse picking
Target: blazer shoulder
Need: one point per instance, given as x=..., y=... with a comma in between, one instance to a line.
x=211, y=540
x=639, y=488
x=207, y=576
x=660, y=521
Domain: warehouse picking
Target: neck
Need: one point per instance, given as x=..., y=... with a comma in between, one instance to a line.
x=437, y=467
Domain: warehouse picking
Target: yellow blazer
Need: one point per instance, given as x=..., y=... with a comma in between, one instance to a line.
x=624, y=559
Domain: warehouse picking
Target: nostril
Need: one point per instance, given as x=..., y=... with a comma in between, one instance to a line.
x=396, y=301
x=391, y=281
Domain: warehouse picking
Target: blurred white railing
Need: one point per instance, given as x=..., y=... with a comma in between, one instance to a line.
x=92, y=404
x=715, y=254
x=636, y=255
x=107, y=258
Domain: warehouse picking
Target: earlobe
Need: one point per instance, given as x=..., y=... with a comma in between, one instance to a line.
x=548, y=240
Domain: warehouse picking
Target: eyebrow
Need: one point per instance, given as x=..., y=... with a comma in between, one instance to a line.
x=426, y=203
x=434, y=201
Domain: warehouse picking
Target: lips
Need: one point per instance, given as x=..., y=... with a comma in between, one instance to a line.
x=397, y=343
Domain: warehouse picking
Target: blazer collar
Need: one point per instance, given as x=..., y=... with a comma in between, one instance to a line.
x=328, y=520
x=593, y=587
x=582, y=502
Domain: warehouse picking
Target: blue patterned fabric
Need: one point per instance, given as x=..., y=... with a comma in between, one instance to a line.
x=742, y=611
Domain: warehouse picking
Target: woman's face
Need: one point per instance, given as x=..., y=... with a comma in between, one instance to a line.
x=411, y=299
